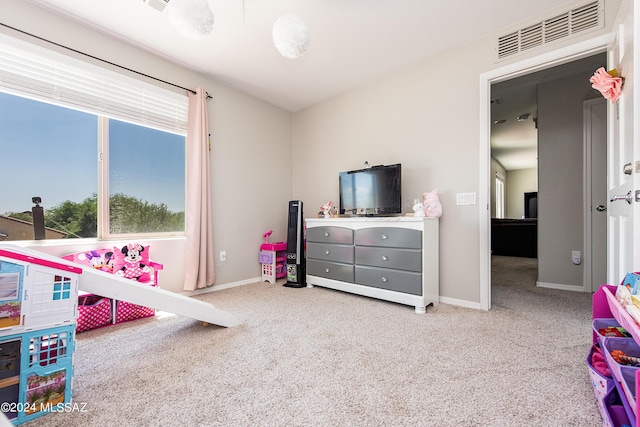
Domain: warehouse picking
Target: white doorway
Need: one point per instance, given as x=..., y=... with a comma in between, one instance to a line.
x=560, y=56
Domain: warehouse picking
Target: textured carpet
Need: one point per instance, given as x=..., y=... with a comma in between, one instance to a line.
x=319, y=357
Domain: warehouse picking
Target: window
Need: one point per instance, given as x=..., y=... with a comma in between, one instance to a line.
x=499, y=196
x=146, y=180
x=104, y=153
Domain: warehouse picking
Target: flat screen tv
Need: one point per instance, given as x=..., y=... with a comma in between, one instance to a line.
x=375, y=191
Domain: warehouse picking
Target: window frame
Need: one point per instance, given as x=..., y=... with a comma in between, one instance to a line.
x=500, y=199
x=104, y=204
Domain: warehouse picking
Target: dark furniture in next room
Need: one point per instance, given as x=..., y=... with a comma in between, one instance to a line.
x=514, y=237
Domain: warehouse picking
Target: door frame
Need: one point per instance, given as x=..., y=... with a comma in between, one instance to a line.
x=526, y=66
x=587, y=273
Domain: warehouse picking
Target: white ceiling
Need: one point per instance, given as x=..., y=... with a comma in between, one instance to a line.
x=353, y=42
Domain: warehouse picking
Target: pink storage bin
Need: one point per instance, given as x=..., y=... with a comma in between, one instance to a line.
x=602, y=385
x=627, y=345
x=126, y=311
x=615, y=414
x=628, y=383
x=94, y=311
x=599, y=324
x=624, y=319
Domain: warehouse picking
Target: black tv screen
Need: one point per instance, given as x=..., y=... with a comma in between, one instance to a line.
x=373, y=191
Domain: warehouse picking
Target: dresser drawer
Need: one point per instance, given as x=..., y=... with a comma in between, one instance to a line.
x=330, y=234
x=401, y=259
x=389, y=237
x=330, y=270
x=393, y=280
x=327, y=252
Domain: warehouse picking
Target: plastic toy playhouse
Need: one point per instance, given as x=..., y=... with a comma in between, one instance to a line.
x=38, y=298
x=273, y=257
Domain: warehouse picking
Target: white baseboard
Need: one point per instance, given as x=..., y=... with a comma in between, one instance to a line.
x=460, y=303
x=444, y=300
x=221, y=287
x=560, y=286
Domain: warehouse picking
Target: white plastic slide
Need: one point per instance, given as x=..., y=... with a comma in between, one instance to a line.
x=111, y=286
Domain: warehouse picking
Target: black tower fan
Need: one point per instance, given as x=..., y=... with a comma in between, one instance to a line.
x=296, y=266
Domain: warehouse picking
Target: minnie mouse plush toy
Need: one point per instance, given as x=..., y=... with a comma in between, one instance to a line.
x=133, y=267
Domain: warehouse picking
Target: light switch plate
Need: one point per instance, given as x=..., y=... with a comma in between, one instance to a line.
x=465, y=199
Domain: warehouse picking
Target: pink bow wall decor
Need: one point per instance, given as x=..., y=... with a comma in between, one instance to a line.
x=608, y=83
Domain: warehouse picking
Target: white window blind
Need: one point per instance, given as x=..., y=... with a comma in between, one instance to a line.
x=38, y=73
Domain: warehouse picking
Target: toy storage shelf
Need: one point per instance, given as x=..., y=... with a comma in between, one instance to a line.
x=616, y=395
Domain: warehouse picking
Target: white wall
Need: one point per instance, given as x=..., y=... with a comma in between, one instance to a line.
x=250, y=156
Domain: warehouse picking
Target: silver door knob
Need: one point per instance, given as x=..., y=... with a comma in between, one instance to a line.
x=601, y=208
x=628, y=197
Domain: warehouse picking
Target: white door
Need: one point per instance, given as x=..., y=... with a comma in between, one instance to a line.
x=623, y=154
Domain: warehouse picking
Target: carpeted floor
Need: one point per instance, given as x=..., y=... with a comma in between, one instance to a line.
x=319, y=357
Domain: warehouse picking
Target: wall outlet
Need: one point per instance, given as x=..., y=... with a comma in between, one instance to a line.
x=576, y=257
x=223, y=256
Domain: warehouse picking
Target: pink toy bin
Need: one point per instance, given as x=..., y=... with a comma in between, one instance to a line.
x=627, y=345
x=605, y=323
x=602, y=385
x=615, y=414
x=628, y=383
x=94, y=311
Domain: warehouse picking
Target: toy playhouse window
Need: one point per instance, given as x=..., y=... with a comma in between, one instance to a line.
x=9, y=284
x=61, y=288
x=46, y=349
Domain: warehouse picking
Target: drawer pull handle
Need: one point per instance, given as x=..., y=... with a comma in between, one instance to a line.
x=384, y=279
x=385, y=237
x=326, y=234
x=384, y=257
x=326, y=252
x=326, y=270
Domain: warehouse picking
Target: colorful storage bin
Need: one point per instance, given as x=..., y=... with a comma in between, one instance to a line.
x=126, y=311
x=628, y=346
x=602, y=385
x=612, y=323
x=615, y=415
x=94, y=311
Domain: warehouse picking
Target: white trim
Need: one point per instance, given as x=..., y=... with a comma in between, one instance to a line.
x=221, y=287
x=461, y=303
x=587, y=252
x=526, y=66
x=561, y=286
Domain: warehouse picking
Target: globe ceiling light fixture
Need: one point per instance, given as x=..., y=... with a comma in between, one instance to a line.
x=290, y=36
x=192, y=18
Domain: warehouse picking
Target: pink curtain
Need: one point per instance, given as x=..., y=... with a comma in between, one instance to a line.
x=199, y=261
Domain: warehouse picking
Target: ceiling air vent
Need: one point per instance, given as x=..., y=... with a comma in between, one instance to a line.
x=587, y=17
x=158, y=5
